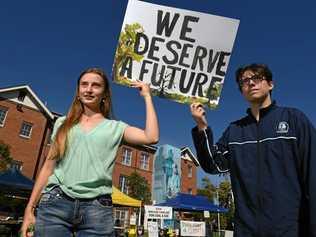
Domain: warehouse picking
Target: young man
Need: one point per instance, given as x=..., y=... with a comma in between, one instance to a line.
x=271, y=154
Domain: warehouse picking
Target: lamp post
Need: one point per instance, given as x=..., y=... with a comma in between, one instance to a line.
x=140, y=216
x=218, y=217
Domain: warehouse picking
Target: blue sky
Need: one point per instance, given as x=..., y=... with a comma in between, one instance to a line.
x=45, y=44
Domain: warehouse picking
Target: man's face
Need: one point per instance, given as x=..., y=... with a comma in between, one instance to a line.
x=255, y=88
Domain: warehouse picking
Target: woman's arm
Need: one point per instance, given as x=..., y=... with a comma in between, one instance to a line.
x=39, y=185
x=150, y=135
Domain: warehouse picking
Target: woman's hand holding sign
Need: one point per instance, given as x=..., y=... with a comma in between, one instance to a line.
x=144, y=88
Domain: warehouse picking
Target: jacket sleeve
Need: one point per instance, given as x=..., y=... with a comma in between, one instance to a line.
x=307, y=154
x=214, y=159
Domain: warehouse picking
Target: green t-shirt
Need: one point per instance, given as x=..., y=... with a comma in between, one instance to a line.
x=86, y=169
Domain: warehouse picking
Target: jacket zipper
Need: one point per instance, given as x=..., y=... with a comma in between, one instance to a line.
x=259, y=183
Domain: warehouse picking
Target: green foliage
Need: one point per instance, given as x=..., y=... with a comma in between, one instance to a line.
x=183, y=99
x=217, y=90
x=139, y=188
x=125, y=47
x=223, y=191
x=5, y=157
x=208, y=190
x=124, y=81
x=225, y=200
x=214, y=92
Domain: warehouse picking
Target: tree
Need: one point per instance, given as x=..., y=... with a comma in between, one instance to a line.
x=213, y=92
x=208, y=190
x=125, y=47
x=5, y=157
x=225, y=199
x=13, y=204
x=138, y=188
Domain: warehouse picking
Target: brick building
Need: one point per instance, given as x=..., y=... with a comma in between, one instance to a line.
x=25, y=125
x=133, y=159
x=140, y=159
x=189, y=171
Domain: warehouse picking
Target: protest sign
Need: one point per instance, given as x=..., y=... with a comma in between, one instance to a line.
x=182, y=54
x=192, y=228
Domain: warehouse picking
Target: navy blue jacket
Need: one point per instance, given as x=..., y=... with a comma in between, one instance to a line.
x=272, y=164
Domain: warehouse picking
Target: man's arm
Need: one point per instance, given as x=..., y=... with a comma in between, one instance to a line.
x=213, y=159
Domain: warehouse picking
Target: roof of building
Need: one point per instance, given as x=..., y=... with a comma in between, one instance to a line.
x=33, y=96
x=186, y=153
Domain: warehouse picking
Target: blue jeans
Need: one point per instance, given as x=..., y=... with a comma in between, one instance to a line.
x=62, y=216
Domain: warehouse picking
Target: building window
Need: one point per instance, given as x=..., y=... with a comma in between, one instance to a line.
x=144, y=161
x=190, y=171
x=16, y=164
x=21, y=96
x=190, y=191
x=26, y=129
x=122, y=216
x=3, y=115
x=127, y=157
x=123, y=184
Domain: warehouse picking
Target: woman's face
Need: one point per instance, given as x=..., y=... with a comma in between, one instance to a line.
x=91, y=90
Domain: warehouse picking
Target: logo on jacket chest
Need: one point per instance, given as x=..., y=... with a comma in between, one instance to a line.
x=283, y=127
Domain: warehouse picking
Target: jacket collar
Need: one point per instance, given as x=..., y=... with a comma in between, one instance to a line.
x=263, y=111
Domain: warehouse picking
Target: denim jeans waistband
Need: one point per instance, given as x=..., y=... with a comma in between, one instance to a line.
x=105, y=199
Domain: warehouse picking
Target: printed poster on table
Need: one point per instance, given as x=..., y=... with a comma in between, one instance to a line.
x=152, y=229
x=192, y=228
x=182, y=54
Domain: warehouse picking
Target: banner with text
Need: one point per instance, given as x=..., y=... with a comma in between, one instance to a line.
x=157, y=212
x=182, y=54
x=192, y=228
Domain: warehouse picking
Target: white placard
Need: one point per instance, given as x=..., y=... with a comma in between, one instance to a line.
x=206, y=214
x=152, y=229
x=158, y=212
x=192, y=228
x=182, y=54
x=132, y=219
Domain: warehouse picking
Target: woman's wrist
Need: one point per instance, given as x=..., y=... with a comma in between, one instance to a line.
x=147, y=96
x=30, y=207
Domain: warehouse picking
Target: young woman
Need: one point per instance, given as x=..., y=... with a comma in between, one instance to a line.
x=76, y=178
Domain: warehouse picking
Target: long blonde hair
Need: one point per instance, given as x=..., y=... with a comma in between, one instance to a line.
x=59, y=145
